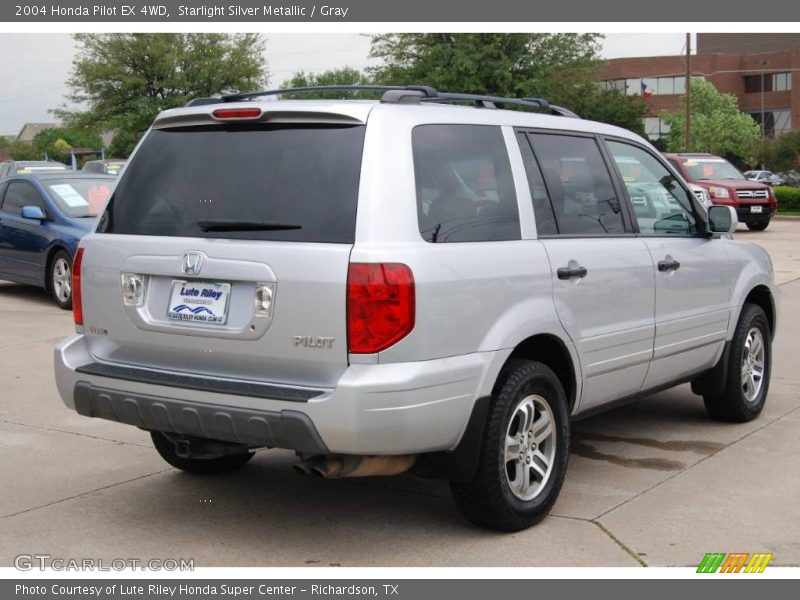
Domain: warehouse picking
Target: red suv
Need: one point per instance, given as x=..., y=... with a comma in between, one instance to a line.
x=755, y=203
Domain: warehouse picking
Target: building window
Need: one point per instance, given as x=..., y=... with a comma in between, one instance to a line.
x=776, y=122
x=647, y=86
x=773, y=82
x=782, y=82
x=655, y=128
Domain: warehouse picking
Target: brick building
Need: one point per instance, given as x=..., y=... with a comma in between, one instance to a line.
x=735, y=63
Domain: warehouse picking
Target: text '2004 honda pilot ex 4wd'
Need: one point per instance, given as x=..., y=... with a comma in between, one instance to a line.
x=410, y=284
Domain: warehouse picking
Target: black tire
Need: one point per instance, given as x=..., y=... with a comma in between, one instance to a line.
x=758, y=225
x=731, y=403
x=488, y=500
x=198, y=466
x=60, y=260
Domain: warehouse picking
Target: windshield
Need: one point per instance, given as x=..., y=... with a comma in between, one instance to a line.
x=80, y=197
x=293, y=183
x=711, y=168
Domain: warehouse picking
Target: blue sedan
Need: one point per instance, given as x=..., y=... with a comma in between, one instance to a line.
x=42, y=218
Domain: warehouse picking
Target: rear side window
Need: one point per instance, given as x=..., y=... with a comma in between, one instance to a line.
x=584, y=199
x=283, y=182
x=465, y=190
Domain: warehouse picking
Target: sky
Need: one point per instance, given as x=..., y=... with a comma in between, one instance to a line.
x=34, y=67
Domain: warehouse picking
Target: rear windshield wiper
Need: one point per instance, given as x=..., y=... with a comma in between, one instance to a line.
x=235, y=225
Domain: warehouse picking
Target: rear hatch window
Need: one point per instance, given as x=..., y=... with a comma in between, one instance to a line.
x=280, y=182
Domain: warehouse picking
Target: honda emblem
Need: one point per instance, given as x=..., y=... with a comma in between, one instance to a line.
x=192, y=262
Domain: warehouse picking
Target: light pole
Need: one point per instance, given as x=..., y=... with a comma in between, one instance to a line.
x=762, y=63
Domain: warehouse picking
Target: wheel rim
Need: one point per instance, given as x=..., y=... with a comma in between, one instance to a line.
x=62, y=280
x=753, y=364
x=530, y=447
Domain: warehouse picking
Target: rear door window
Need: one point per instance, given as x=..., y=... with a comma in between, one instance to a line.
x=583, y=196
x=282, y=182
x=465, y=189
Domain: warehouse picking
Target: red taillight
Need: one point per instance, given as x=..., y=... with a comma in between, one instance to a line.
x=77, y=304
x=237, y=113
x=380, y=305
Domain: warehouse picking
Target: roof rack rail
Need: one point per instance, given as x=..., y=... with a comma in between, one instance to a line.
x=427, y=91
x=202, y=101
x=397, y=94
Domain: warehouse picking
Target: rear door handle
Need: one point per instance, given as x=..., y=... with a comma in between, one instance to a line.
x=571, y=272
x=668, y=265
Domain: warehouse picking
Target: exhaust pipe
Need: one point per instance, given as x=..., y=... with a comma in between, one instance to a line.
x=306, y=467
x=335, y=467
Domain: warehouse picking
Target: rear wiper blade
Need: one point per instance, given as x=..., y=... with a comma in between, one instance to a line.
x=235, y=225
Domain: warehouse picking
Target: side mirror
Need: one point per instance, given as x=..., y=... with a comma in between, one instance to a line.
x=722, y=219
x=33, y=212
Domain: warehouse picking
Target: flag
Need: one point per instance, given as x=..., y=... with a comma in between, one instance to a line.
x=645, y=92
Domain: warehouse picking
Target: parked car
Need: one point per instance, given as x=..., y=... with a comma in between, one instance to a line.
x=755, y=203
x=24, y=167
x=702, y=195
x=791, y=178
x=42, y=218
x=767, y=177
x=406, y=285
x=111, y=167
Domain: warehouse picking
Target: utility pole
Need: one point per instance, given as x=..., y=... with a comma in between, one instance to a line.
x=762, y=63
x=687, y=134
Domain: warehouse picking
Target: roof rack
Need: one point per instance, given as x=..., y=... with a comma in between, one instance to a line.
x=410, y=94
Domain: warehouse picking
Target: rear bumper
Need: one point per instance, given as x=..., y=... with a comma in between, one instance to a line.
x=284, y=429
x=396, y=408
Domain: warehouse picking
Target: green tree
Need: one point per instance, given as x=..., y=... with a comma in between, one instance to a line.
x=124, y=80
x=341, y=76
x=717, y=124
x=779, y=154
x=58, y=141
x=558, y=67
x=19, y=150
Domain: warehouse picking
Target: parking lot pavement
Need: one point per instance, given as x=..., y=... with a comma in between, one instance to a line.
x=782, y=239
x=652, y=483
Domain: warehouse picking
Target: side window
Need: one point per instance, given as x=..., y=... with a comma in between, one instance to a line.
x=542, y=208
x=661, y=205
x=583, y=196
x=465, y=190
x=21, y=194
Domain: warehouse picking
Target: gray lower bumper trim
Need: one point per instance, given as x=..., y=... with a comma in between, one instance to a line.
x=279, y=429
x=187, y=381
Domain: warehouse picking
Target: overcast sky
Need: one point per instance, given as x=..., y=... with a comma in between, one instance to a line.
x=34, y=67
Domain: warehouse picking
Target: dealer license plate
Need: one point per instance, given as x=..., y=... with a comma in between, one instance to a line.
x=199, y=301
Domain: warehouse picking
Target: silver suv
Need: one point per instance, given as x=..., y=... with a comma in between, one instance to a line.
x=406, y=285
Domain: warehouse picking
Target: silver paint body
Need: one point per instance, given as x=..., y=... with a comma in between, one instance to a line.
x=627, y=327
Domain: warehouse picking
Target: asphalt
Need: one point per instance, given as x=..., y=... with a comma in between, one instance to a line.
x=654, y=483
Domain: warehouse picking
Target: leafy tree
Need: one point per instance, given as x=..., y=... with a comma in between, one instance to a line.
x=717, y=124
x=341, y=76
x=558, y=67
x=19, y=150
x=58, y=141
x=126, y=79
x=781, y=153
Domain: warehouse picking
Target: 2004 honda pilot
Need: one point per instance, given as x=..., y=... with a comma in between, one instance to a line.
x=410, y=284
